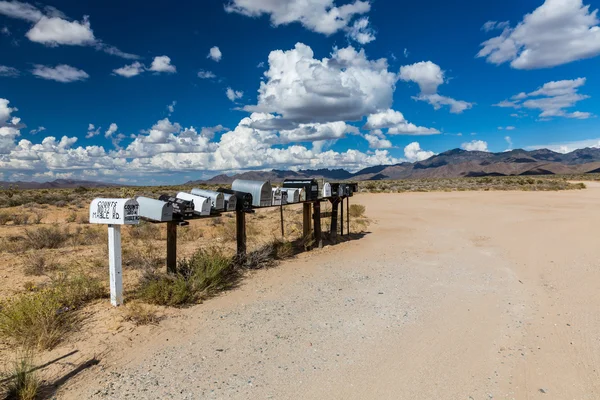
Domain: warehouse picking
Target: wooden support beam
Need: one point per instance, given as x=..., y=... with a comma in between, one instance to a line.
x=240, y=232
x=317, y=222
x=172, y=247
x=281, y=215
x=348, y=215
x=306, y=227
x=334, y=218
x=342, y=217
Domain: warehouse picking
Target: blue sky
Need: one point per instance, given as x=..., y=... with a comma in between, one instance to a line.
x=132, y=92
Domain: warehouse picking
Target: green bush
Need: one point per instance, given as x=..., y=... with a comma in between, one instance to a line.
x=41, y=319
x=203, y=274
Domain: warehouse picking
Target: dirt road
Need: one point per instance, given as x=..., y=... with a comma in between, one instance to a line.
x=491, y=295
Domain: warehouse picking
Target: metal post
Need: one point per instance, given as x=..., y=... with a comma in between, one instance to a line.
x=317, y=221
x=281, y=215
x=240, y=230
x=306, y=226
x=342, y=218
x=334, y=218
x=114, y=265
x=348, y=214
x=172, y=247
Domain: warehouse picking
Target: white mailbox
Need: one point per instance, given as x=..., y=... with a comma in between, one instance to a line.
x=276, y=201
x=114, y=213
x=156, y=210
x=326, y=189
x=217, y=199
x=293, y=195
x=201, y=204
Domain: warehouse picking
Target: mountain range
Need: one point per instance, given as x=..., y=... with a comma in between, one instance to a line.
x=449, y=164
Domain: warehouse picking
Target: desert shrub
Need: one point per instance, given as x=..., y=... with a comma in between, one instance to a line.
x=20, y=219
x=266, y=255
x=36, y=217
x=71, y=217
x=188, y=234
x=83, y=218
x=357, y=210
x=38, y=263
x=51, y=237
x=24, y=383
x=140, y=314
x=41, y=319
x=88, y=235
x=4, y=217
x=60, y=203
x=145, y=231
x=203, y=274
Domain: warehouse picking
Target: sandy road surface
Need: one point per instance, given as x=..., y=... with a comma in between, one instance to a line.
x=491, y=295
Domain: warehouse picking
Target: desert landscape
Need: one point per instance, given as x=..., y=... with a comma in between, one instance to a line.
x=450, y=288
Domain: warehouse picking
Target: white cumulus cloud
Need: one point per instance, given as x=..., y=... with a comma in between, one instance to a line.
x=396, y=124
x=162, y=64
x=475, y=145
x=61, y=73
x=233, y=95
x=555, y=33
x=552, y=99
x=131, y=70
x=215, y=54
x=322, y=16
x=429, y=76
x=202, y=74
x=413, y=152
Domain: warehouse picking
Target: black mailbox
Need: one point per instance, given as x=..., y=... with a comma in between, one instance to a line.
x=353, y=188
x=181, y=208
x=244, y=200
x=337, y=189
x=310, y=186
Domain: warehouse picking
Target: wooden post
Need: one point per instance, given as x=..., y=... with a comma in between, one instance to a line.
x=334, y=218
x=281, y=215
x=348, y=214
x=240, y=230
x=317, y=222
x=171, y=247
x=306, y=226
x=114, y=264
x=342, y=218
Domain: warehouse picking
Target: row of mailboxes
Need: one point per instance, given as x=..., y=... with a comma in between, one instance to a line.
x=244, y=195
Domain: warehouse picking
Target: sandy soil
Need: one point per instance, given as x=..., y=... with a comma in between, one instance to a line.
x=490, y=295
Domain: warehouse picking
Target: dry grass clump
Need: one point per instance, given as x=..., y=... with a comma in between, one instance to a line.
x=4, y=217
x=41, y=319
x=145, y=231
x=140, y=314
x=46, y=237
x=140, y=255
x=357, y=210
x=71, y=217
x=203, y=274
x=39, y=263
x=24, y=383
x=88, y=235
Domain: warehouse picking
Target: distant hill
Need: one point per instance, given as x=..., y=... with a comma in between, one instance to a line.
x=449, y=164
x=56, y=184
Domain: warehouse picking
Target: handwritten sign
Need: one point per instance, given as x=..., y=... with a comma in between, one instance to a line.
x=114, y=212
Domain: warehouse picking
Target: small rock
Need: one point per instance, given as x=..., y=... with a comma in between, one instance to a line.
x=543, y=391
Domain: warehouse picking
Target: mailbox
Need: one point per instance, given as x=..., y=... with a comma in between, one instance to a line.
x=326, y=190
x=230, y=201
x=181, y=208
x=337, y=189
x=346, y=188
x=243, y=200
x=262, y=195
x=353, y=188
x=217, y=199
x=156, y=210
x=277, y=197
x=201, y=204
x=293, y=195
x=302, y=194
x=114, y=212
x=310, y=186
x=284, y=197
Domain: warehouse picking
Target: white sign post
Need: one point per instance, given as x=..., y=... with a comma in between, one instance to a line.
x=114, y=213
